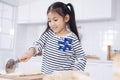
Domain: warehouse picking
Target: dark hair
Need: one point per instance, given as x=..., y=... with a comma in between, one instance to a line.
x=64, y=9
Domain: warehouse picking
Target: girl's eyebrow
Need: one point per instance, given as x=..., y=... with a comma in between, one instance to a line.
x=53, y=18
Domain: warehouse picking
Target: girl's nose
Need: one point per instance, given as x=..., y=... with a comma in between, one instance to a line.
x=52, y=23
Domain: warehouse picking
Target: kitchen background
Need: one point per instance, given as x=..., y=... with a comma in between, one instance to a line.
x=23, y=21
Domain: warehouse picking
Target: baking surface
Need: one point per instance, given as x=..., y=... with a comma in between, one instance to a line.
x=20, y=75
x=37, y=76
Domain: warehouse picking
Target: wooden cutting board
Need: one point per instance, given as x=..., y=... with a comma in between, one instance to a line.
x=23, y=77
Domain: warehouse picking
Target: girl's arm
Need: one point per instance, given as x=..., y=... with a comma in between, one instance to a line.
x=36, y=48
x=28, y=54
x=80, y=56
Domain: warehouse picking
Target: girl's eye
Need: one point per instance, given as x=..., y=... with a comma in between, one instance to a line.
x=56, y=20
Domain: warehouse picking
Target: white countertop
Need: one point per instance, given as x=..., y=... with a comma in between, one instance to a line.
x=99, y=61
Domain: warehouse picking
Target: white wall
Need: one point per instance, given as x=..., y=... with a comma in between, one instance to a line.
x=92, y=32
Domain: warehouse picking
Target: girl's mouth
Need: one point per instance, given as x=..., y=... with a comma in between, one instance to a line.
x=54, y=28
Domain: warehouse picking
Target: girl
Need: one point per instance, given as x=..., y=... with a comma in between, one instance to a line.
x=60, y=41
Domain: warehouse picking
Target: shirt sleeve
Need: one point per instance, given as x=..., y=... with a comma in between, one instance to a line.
x=40, y=43
x=80, y=57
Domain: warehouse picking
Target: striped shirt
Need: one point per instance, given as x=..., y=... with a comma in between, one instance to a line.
x=60, y=53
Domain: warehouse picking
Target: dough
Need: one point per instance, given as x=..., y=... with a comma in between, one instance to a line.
x=67, y=75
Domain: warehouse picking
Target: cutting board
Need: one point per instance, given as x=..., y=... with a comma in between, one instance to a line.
x=23, y=77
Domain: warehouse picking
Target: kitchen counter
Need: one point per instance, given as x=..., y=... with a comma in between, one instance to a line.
x=99, y=61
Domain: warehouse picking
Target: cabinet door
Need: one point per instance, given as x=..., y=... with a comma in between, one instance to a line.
x=108, y=72
x=38, y=12
x=92, y=9
x=24, y=13
x=100, y=71
x=94, y=70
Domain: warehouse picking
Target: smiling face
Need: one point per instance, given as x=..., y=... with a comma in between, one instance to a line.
x=57, y=23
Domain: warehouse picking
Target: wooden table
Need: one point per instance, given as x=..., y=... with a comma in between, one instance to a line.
x=23, y=77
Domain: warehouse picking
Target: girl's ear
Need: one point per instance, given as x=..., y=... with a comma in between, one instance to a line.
x=67, y=18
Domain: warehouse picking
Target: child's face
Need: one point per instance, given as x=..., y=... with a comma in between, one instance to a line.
x=56, y=22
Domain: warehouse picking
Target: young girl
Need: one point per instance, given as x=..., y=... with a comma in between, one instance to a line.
x=60, y=41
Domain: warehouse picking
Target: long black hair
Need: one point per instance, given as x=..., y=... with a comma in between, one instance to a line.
x=64, y=9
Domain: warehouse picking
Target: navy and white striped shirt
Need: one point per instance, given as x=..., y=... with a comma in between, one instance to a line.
x=60, y=53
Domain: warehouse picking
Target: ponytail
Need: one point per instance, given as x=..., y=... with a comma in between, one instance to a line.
x=72, y=22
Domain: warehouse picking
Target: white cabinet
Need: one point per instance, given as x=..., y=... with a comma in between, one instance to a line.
x=38, y=11
x=99, y=70
x=92, y=9
x=35, y=11
x=94, y=70
x=24, y=13
x=108, y=72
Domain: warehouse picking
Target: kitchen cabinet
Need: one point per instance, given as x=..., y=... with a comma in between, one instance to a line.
x=38, y=12
x=92, y=9
x=24, y=13
x=35, y=11
x=100, y=70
